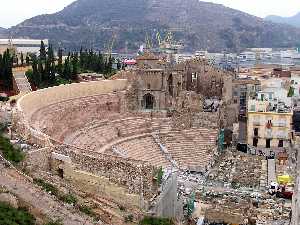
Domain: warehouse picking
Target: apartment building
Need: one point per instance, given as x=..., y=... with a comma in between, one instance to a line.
x=269, y=125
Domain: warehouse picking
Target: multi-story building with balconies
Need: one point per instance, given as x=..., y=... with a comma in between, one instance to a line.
x=268, y=126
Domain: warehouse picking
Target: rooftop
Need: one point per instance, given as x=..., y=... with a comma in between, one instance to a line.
x=263, y=106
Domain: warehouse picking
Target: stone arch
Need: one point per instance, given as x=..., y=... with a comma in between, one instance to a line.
x=148, y=101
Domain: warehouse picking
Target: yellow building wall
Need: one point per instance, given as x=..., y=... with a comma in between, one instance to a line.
x=281, y=124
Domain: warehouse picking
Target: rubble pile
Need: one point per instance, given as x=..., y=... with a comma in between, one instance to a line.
x=237, y=170
x=240, y=207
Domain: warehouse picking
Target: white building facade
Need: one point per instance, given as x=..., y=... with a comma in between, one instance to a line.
x=22, y=45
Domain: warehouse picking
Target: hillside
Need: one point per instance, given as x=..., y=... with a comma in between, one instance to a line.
x=293, y=21
x=200, y=25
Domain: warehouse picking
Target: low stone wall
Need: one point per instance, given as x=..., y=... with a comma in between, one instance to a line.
x=136, y=176
x=38, y=160
x=100, y=186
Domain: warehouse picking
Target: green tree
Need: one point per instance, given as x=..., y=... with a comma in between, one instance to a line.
x=51, y=65
x=67, y=69
x=119, y=64
x=27, y=60
x=6, y=75
x=12, y=216
x=22, y=59
x=60, y=62
x=35, y=78
x=43, y=52
x=75, y=65
x=40, y=69
x=291, y=92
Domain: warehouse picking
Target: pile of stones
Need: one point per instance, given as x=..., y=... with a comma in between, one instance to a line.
x=237, y=169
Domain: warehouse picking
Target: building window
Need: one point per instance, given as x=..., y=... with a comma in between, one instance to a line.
x=255, y=130
x=255, y=142
x=269, y=124
x=194, y=76
x=270, y=96
x=235, y=101
x=148, y=86
x=280, y=143
x=268, y=143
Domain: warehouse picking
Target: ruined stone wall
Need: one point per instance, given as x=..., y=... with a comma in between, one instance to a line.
x=206, y=119
x=100, y=186
x=38, y=160
x=136, y=176
x=230, y=115
x=188, y=101
x=150, y=79
x=206, y=79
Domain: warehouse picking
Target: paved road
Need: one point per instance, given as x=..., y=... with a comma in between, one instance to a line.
x=40, y=200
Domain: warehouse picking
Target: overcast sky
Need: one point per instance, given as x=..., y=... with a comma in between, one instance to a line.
x=13, y=12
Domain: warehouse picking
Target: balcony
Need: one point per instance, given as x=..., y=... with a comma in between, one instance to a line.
x=282, y=124
x=282, y=135
x=268, y=134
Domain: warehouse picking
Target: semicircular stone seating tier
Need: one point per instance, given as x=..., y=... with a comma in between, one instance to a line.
x=90, y=123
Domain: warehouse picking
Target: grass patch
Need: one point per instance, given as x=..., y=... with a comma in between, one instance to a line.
x=88, y=211
x=159, y=175
x=54, y=223
x=156, y=221
x=128, y=218
x=46, y=186
x=13, y=216
x=10, y=153
x=69, y=198
x=3, y=127
x=4, y=99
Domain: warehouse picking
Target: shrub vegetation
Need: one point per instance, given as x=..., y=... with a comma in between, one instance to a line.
x=10, y=153
x=13, y=216
x=156, y=221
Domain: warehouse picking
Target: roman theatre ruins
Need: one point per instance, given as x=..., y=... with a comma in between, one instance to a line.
x=89, y=134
